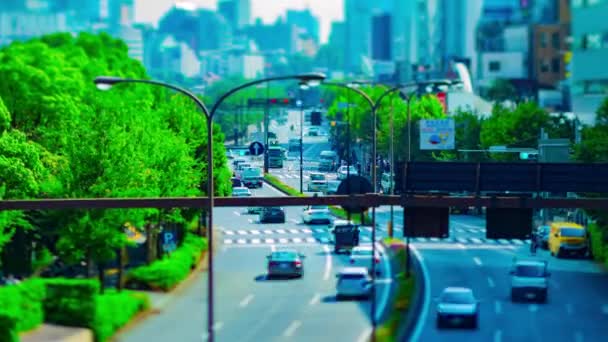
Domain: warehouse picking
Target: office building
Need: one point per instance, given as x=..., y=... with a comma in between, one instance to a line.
x=236, y=12
x=382, y=37
x=306, y=21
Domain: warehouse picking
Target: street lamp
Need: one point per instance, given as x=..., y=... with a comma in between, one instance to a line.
x=106, y=82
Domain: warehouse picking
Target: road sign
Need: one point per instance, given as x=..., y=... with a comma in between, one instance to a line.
x=256, y=148
x=355, y=185
x=437, y=134
x=169, y=243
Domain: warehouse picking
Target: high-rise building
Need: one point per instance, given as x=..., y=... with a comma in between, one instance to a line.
x=589, y=81
x=236, y=12
x=304, y=19
x=382, y=37
x=458, y=23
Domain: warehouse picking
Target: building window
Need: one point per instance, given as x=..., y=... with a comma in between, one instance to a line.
x=555, y=41
x=543, y=39
x=544, y=66
x=555, y=65
x=494, y=66
x=594, y=41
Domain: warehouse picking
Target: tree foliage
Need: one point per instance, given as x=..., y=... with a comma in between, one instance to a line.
x=501, y=90
x=65, y=138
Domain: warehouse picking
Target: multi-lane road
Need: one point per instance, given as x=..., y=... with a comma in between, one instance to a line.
x=251, y=308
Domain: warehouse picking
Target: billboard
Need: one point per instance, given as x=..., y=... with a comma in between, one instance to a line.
x=437, y=134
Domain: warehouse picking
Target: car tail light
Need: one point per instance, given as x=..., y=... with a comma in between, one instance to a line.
x=352, y=261
x=297, y=263
x=377, y=260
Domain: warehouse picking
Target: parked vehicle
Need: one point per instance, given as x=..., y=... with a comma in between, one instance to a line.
x=328, y=161
x=542, y=236
x=568, y=239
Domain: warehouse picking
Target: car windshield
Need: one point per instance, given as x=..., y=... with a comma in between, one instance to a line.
x=572, y=232
x=458, y=297
x=362, y=251
x=352, y=276
x=529, y=271
x=317, y=177
x=318, y=207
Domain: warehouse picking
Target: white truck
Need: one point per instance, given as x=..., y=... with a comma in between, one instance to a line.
x=529, y=280
x=252, y=177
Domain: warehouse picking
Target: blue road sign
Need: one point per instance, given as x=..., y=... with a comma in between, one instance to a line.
x=256, y=148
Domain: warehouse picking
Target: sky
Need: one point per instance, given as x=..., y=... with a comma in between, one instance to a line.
x=149, y=11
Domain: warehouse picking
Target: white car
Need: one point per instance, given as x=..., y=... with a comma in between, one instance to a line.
x=361, y=256
x=457, y=306
x=318, y=182
x=343, y=171
x=241, y=191
x=317, y=214
x=353, y=282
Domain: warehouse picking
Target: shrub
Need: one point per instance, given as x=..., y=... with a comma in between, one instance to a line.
x=8, y=328
x=23, y=302
x=599, y=247
x=166, y=273
x=115, y=309
x=71, y=302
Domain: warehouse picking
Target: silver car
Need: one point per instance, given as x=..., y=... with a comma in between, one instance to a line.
x=286, y=263
x=361, y=256
x=353, y=282
x=457, y=306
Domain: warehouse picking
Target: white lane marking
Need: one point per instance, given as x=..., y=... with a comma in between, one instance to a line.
x=241, y=241
x=503, y=241
x=255, y=232
x=307, y=231
x=281, y=231
x=365, y=335
x=294, y=221
x=296, y=240
x=476, y=240
x=491, y=282
x=250, y=220
x=366, y=239
x=283, y=240
x=291, y=329
x=498, y=307
x=288, y=176
x=228, y=232
x=236, y=213
x=477, y=261
x=435, y=239
x=217, y=326
x=578, y=336
x=246, y=301
x=280, y=176
x=315, y=299
x=517, y=242
x=533, y=307
x=498, y=336
x=242, y=232
x=227, y=241
x=269, y=241
x=319, y=230
x=267, y=231
x=462, y=240
x=605, y=309
x=294, y=231
x=256, y=241
x=569, y=309
x=327, y=272
x=310, y=239
x=461, y=246
x=273, y=248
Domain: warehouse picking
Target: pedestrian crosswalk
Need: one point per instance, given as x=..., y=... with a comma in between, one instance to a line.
x=276, y=231
x=472, y=241
x=286, y=240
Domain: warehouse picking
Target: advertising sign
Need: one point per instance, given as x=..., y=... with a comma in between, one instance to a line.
x=437, y=134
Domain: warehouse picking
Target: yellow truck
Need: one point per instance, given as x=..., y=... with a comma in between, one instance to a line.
x=568, y=239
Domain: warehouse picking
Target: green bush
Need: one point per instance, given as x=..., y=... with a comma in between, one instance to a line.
x=599, y=247
x=115, y=309
x=71, y=302
x=8, y=328
x=166, y=273
x=23, y=301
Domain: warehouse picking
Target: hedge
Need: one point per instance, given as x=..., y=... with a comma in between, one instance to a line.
x=8, y=328
x=166, y=273
x=23, y=303
x=77, y=303
x=599, y=243
x=115, y=309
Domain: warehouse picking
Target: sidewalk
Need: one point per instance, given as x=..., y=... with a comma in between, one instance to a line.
x=158, y=301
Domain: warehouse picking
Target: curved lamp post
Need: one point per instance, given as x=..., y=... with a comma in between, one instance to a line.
x=106, y=82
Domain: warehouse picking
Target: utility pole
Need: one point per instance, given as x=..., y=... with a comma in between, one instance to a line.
x=266, y=124
x=392, y=177
x=301, y=143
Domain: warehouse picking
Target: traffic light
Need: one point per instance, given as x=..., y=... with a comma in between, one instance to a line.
x=315, y=118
